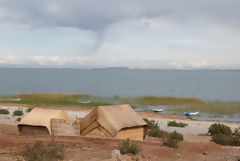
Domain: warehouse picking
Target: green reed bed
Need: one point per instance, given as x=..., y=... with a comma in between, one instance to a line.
x=217, y=107
x=56, y=99
x=187, y=104
x=151, y=100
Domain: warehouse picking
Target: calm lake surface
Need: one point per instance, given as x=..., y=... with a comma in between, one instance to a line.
x=203, y=84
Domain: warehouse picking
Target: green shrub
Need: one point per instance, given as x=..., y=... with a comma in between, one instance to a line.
x=129, y=147
x=154, y=130
x=236, y=132
x=173, y=139
x=223, y=135
x=226, y=139
x=151, y=124
x=18, y=119
x=40, y=152
x=4, y=111
x=29, y=109
x=157, y=132
x=218, y=128
x=176, y=124
x=17, y=113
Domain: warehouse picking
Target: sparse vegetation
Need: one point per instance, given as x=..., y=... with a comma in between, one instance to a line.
x=4, y=111
x=18, y=119
x=154, y=130
x=177, y=124
x=18, y=113
x=223, y=135
x=40, y=152
x=29, y=109
x=173, y=139
x=129, y=147
x=218, y=128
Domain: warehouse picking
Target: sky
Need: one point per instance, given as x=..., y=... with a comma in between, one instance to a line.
x=159, y=34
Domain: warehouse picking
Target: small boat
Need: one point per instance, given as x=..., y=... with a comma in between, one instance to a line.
x=191, y=113
x=158, y=110
x=84, y=102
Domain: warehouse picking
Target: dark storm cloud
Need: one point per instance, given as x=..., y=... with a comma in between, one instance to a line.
x=96, y=15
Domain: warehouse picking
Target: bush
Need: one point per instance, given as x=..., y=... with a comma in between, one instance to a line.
x=157, y=132
x=17, y=113
x=174, y=123
x=236, y=132
x=18, y=119
x=29, y=109
x=40, y=152
x=151, y=124
x=129, y=147
x=154, y=130
x=173, y=139
x=4, y=111
x=223, y=135
x=218, y=128
x=226, y=140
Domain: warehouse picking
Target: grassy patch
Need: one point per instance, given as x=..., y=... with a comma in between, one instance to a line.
x=129, y=147
x=171, y=139
x=40, y=152
x=18, y=119
x=4, y=111
x=177, y=124
x=29, y=109
x=154, y=130
x=18, y=113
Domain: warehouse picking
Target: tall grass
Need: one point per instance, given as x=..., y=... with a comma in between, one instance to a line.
x=55, y=99
x=151, y=100
x=217, y=107
x=187, y=104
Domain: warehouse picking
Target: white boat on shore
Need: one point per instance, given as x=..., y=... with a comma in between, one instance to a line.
x=84, y=102
x=158, y=110
x=191, y=113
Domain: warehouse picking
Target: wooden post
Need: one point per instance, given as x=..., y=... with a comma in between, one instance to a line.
x=52, y=133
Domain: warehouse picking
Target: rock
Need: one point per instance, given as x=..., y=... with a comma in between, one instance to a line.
x=4, y=152
x=179, y=155
x=116, y=155
x=204, y=153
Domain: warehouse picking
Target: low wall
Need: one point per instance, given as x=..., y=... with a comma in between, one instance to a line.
x=61, y=127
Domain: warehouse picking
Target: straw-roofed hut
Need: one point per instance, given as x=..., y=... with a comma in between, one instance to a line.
x=38, y=121
x=119, y=121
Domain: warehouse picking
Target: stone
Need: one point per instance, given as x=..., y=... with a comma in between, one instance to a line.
x=116, y=155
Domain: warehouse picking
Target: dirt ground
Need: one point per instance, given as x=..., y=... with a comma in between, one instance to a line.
x=98, y=149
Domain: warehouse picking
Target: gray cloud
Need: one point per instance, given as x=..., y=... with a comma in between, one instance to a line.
x=96, y=15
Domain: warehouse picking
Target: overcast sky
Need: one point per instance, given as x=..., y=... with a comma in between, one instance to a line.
x=172, y=34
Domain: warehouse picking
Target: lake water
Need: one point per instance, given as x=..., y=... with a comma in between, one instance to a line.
x=203, y=84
